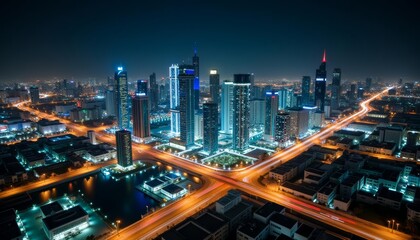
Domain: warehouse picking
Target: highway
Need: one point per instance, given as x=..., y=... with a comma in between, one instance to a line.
x=246, y=181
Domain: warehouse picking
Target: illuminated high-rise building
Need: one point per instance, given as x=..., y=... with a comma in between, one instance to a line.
x=186, y=104
x=282, y=128
x=34, y=94
x=271, y=109
x=335, y=88
x=210, y=120
x=196, y=66
x=226, y=108
x=306, y=90
x=153, y=93
x=174, y=98
x=214, y=86
x=141, y=116
x=110, y=105
x=122, y=98
x=257, y=113
x=299, y=120
x=124, y=151
x=321, y=84
x=142, y=87
x=198, y=125
x=241, y=95
x=285, y=98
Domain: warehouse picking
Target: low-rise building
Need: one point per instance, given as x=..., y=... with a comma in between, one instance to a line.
x=173, y=191
x=304, y=232
x=413, y=212
x=264, y=213
x=389, y=198
x=342, y=203
x=386, y=148
x=252, y=230
x=327, y=193
x=281, y=224
x=60, y=224
x=299, y=190
x=45, y=127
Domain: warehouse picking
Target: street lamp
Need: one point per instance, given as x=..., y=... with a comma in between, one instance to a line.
x=393, y=222
x=118, y=226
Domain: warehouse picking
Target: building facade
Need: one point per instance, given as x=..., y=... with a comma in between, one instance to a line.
x=121, y=91
x=210, y=119
x=241, y=109
x=124, y=150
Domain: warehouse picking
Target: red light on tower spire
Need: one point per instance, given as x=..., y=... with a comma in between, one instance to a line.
x=324, y=57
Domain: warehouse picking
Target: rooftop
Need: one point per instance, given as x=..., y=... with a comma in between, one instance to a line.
x=154, y=183
x=192, y=231
x=210, y=221
x=172, y=188
x=252, y=228
x=66, y=216
x=268, y=209
x=305, y=230
x=283, y=220
x=51, y=208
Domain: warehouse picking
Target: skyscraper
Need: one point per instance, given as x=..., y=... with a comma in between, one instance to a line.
x=34, y=94
x=153, y=93
x=299, y=120
x=321, y=84
x=186, y=104
x=271, y=109
x=226, y=108
x=241, y=95
x=121, y=92
x=210, y=120
x=110, y=102
x=282, y=129
x=336, y=88
x=198, y=125
x=174, y=98
x=285, y=98
x=142, y=87
x=124, y=151
x=257, y=113
x=306, y=87
x=214, y=86
x=196, y=67
x=141, y=116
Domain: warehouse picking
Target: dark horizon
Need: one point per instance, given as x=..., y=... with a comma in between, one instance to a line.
x=75, y=39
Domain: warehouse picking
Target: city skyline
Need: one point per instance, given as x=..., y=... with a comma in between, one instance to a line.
x=279, y=41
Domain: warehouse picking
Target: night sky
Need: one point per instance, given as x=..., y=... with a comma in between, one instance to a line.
x=43, y=40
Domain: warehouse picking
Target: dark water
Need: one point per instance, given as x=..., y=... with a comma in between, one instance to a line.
x=116, y=199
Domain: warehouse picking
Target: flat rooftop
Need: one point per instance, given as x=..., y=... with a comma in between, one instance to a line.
x=192, y=231
x=211, y=221
x=154, y=183
x=61, y=218
x=252, y=228
x=268, y=209
x=173, y=189
x=283, y=220
x=51, y=208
